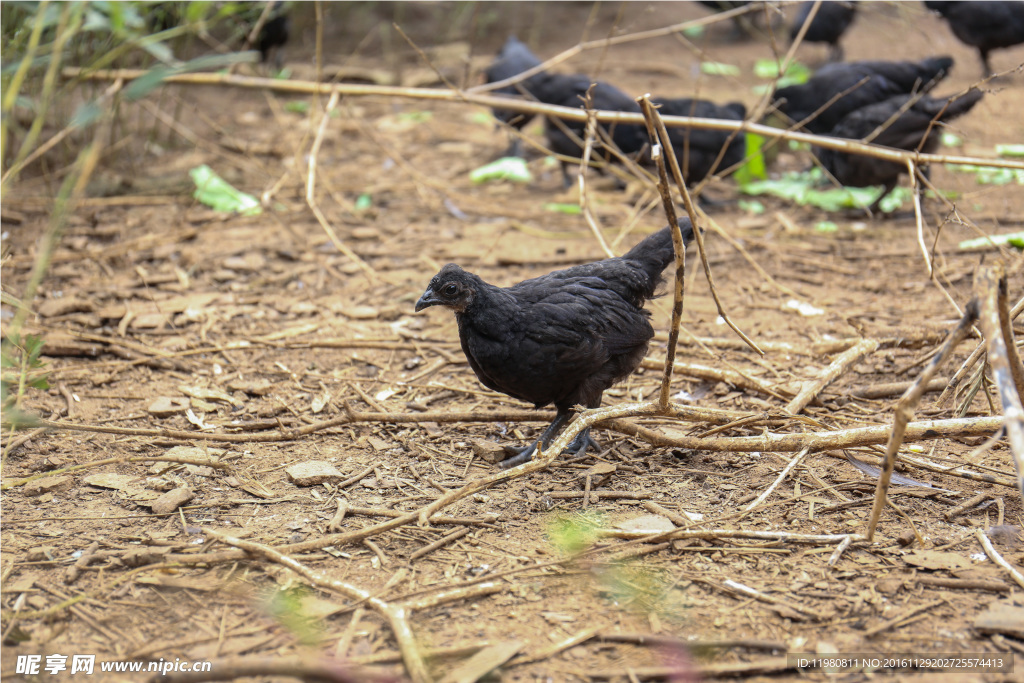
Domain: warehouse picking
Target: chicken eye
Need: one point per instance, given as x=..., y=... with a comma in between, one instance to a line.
x=450, y=289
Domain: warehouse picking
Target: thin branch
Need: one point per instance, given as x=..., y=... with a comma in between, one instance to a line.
x=528, y=107
x=905, y=410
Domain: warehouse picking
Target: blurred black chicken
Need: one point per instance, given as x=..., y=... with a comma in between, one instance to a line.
x=838, y=89
x=565, y=136
x=513, y=59
x=828, y=25
x=742, y=24
x=985, y=25
x=274, y=35
x=697, y=150
x=909, y=122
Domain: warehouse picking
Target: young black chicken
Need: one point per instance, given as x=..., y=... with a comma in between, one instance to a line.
x=561, y=338
x=985, y=25
x=513, y=59
x=698, y=150
x=881, y=80
x=571, y=91
x=274, y=35
x=902, y=123
x=828, y=25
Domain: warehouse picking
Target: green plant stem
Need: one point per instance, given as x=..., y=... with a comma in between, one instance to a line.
x=68, y=25
x=10, y=95
x=71, y=190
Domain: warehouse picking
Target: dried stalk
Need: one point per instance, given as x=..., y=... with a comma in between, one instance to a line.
x=990, y=291
x=395, y=614
x=661, y=146
x=528, y=107
x=311, y=194
x=994, y=555
x=905, y=410
x=840, y=365
x=794, y=461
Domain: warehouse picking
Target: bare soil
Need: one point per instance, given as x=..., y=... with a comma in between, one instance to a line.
x=258, y=325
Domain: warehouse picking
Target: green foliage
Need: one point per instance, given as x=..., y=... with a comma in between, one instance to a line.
x=506, y=168
x=987, y=175
x=1014, y=239
x=754, y=168
x=21, y=369
x=719, y=69
x=803, y=189
x=218, y=194
x=287, y=608
x=563, y=207
x=572, y=534
x=795, y=74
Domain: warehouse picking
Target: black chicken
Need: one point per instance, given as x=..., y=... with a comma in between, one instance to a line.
x=571, y=91
x=902, y=122
x=561, y=338
x=698, y=150
x=828, y=25
x=839, y=89
x=985, y=25
x=513, y=59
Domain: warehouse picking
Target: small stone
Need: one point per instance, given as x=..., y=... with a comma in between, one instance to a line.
x=52, y=308
x=365, y=233
x=889, y=586
x=313, y=472
x=43, y=553
x=171, y=501
x=48, y=485
x=488, y=451
x=165, y=406
x=360, y=312
x=906, y=538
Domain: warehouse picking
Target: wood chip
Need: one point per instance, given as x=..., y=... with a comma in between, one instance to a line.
x=48, y=485
x=165, y=406
x=313, y=472
x=172, y=500
x=484, y=662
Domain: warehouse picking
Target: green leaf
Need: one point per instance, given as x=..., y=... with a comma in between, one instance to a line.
x=826, y=226
x=796, y=72
x=506, y=168
x=952, y=139
x=1010, y=150
x=693, y=31
x=297, y=106
x=987, y=175
x=213, y=191
x=364, y=202
x=572, y=534
x=719, y=69
x=801, y=188
x=1014, y=238
x=754, y=168
x=482, y=118
x=86, y=114
x=144, y=84
x=559, y=207
x=197, y=11
x=751, y=206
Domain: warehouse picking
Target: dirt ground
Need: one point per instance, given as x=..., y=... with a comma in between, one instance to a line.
x=161, y=314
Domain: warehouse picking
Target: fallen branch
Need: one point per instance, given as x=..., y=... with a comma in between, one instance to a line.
x=840, y=365
x=535, y=108
x=905, y=410
x=990, y=291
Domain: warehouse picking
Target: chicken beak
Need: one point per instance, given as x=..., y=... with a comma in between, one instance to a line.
x=428, y=299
